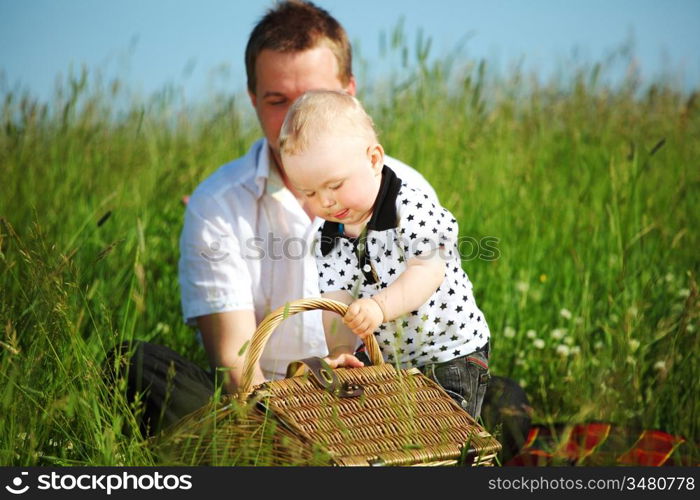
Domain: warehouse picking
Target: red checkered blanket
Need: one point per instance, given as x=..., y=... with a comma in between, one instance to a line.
x=599, y=443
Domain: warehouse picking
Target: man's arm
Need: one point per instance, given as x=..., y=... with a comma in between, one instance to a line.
x=224, y=335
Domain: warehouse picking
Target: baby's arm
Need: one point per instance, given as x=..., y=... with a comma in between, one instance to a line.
x=341, y=341
x=423, y=275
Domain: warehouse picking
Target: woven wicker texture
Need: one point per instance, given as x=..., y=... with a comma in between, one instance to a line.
x=402, y=418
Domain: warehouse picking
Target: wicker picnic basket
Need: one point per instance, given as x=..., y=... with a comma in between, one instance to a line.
x=400, y=418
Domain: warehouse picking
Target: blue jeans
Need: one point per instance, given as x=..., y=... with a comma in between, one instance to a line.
x=465, y=379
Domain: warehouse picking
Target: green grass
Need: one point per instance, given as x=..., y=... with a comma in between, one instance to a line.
x=592, y=192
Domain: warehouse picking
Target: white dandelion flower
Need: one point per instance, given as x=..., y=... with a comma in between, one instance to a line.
x=563, y=350
x=684, y=292
x=598, y=345
x=531, y=334
x=522, y=286
x=634, y=344
x=509, y=332
x=575, y=350
x=538, y=343
x=565, y=313
x=558, y=333
x=660, y=365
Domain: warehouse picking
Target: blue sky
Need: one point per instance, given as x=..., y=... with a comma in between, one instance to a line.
x=198, y=45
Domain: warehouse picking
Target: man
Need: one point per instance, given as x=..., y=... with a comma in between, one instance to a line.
x=245, y=241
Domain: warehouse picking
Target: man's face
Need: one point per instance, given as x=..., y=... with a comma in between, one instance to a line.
x=282, y=77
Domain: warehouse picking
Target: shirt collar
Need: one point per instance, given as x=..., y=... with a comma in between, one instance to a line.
x=265, y=170
x=384, y=215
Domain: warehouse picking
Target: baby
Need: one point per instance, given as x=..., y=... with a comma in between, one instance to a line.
x=386, y=249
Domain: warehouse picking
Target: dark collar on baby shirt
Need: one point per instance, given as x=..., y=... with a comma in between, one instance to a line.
x=384, y=214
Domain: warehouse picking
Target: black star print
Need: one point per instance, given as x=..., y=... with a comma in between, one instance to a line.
x=339, y=253
x=475, y=332
x=383, y=284
x=386, y=342
x=331, y=282
x=410, y=217
x=419, y=252
x=465, y=298
x=341, y=272
x=421, y=223
x=443, y=306
x=414, y=313
x=450, y=323
x=433, y=359
x=401, y=259
x=432, y=342
x=404, y=201
x=413, y=236
x=404, y=323
x=471, y=315
x=431, y=333
x=419, y=205
x=409, y=341
x=456, y=352
x=443, y=348
x=348, y=261
x=326, y=265
x=419, y=329
x=390, y=357
x=432, y=303
x=461, y=326
x=430, y=213
x=382, y=327
x=434, y=230
x=451, y=292
x=354, y=277
x=392, y=271
x=453, y=338
x=373, y=240
x=387, y=253
x=320, y=274
x=424, y=318
x=458, y=309
x=478, y=318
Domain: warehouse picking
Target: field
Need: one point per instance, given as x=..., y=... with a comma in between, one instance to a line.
x=589, y=192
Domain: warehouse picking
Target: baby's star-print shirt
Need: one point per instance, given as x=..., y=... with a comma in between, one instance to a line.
x=406, y=224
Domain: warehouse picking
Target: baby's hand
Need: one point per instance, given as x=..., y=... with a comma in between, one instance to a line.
x=363, y=317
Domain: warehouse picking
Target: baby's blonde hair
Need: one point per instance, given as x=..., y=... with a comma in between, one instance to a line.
x=324, y=111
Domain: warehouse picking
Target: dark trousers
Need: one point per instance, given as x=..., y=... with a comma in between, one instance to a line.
x=168, y=387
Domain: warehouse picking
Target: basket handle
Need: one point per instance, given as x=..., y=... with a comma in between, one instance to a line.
x=272, y=321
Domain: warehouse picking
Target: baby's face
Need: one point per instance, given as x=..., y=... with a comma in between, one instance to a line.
x=338, y=176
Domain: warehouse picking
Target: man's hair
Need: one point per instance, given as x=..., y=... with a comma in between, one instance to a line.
x=319, y=112
x=295, y=26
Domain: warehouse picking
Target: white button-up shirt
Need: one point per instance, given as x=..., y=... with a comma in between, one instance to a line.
x=246, y=245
